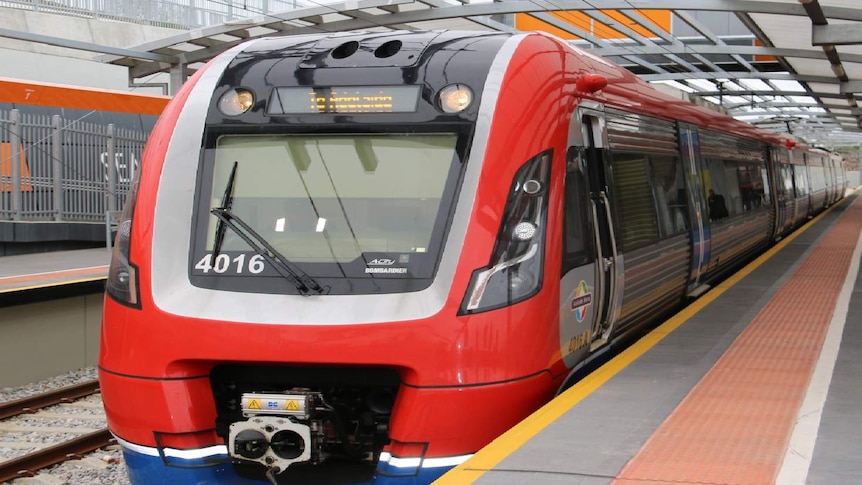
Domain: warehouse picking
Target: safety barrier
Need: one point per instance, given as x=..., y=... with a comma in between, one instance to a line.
x=55, y=169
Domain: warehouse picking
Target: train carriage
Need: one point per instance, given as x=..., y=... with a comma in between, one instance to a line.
x=359, y=257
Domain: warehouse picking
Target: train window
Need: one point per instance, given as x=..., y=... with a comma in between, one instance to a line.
x=764, y=177
x=577, y=235
x=722, y=190
x=668, y=184
x=817, y=177
x=752, y=189
x=800, y=179
x=337, y=198
x=735, y=187
x=635, y=204
x=787, y=178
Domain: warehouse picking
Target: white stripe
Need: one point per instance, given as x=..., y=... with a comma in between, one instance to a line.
x=797, y=459
x=221, y=450
x=404, y=462
x=448, y=461
x=192, y=454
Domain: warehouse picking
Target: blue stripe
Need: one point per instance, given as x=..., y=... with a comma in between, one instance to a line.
x=148, y=470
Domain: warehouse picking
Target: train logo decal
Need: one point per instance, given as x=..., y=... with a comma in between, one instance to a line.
x=378, y=262
x=583, y=300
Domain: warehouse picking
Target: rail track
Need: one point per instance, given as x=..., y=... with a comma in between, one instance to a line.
x=43, y=456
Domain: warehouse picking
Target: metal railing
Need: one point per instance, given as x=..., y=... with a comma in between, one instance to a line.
x=54, y=169
x=178, y=14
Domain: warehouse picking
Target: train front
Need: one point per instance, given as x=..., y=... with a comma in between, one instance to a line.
x=331, y=269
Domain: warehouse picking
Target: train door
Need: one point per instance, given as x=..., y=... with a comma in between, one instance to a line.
x=689, y=142
x=783, y=190
x=591, y=266
x=779, y=197
x=828, y=179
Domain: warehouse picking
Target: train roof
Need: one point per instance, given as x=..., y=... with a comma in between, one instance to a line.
x=624, y=90
x=650, y=101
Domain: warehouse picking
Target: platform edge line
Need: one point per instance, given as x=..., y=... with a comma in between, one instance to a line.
x=53, y=285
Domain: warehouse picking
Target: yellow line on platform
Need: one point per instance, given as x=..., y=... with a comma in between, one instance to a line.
x=55, y=284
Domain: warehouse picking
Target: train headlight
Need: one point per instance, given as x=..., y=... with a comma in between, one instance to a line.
x=515, y=270
x=122, y=283
x=524, y=231
x=236, y=101
x=532, y=187
x=455, y=98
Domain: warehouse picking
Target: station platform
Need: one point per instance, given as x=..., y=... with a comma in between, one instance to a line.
x=757, y=382
x=31, y=277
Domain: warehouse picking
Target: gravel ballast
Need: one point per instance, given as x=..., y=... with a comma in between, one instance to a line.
x=104, y=466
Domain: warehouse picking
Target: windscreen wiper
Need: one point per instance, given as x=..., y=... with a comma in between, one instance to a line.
x=303, y=282
x=226, y=204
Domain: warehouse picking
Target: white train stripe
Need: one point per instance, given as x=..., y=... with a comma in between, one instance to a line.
x=448, y=461
x=192, y=454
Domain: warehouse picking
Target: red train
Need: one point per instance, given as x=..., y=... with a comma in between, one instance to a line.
x=359, y=257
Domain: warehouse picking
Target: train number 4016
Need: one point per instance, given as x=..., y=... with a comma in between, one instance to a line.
x=223, y=264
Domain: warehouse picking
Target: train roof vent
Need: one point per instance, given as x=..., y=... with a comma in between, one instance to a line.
x=368, y=51
x=345, y=50
x=387, y=49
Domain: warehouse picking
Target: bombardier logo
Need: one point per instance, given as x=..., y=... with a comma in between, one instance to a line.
x=386, y=270
x=384, y=262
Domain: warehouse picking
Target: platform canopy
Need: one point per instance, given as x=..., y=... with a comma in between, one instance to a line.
x=793, y=66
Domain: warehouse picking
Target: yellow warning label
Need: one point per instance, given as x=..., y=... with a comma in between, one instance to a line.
x=254, y=404
x=291, y=405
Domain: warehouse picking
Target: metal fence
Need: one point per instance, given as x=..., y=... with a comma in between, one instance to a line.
x=54, y=169
x=178, y=14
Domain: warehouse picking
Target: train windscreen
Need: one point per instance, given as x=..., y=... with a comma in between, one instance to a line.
x=334, y=205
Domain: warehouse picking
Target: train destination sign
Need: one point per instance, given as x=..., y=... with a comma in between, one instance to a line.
x=344, y=99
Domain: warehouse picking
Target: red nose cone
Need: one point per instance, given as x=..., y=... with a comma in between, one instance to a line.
x=790, y=143
x=590, y=83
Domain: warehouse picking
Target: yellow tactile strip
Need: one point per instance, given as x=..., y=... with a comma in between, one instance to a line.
x=734, y=426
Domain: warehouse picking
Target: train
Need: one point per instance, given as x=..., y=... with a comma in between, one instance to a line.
x=359, y=257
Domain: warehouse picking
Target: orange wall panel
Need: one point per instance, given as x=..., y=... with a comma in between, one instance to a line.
x=62, y=96
x=6, y=169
